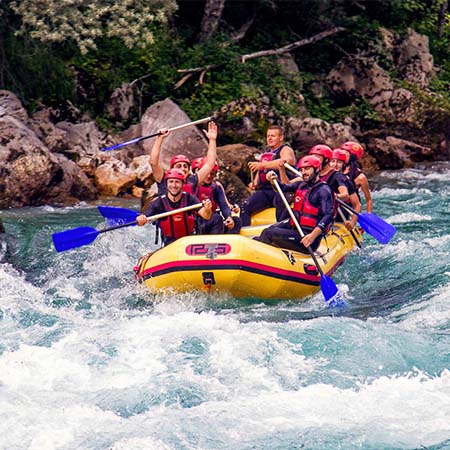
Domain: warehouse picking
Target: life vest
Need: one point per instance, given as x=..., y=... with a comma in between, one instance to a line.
x=306, y=213
x=203, y=192
x=354, y=171
x=329, y=175
x=177, y=225
x=269, y=156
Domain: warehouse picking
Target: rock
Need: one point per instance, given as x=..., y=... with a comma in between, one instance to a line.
x=403, y=105
x=308, y=132
x=55, y=139
x=414, y=60
x=12, y=106
x=361, y=77
x=188, y=141
x=33, y=176
x=83, y=138
x=121, y=104
x=141, y=167
x=395, y=153
x=70, y=184
x=114, y=178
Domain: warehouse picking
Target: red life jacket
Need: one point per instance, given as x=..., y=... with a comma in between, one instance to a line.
x=177, y=225
x=187, y=187
x=203, y=192
x=307, y=214
x=269, y=156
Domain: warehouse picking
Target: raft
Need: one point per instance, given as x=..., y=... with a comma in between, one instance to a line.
x=241, y=267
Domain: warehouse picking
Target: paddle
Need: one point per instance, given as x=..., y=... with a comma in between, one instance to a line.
x=77, y=237
x=327, y=285
x=341, y=214
x=381, y=230
x=116, y=215
x=141, y=138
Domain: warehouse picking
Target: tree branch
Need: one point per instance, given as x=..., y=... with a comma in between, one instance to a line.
x=293, y=46
x=271, y=52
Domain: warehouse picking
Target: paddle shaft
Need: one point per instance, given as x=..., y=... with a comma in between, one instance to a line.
x=142, y=138
x=153, y=218
x=345, y=205
x=351, y=231
x=297, y=225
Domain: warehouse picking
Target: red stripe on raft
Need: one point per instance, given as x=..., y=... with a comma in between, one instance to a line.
x=217, y=263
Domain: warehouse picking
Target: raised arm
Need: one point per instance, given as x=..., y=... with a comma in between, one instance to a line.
x=211, y=155
x=155, y=153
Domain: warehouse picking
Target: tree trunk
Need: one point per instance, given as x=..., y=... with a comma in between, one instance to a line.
x=441, y=22
x=211, y=18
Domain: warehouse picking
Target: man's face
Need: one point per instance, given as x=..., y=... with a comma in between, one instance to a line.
x=174, y=186
x=307, y=173
x=274, y=138
x=210, y=178
x=182, y=166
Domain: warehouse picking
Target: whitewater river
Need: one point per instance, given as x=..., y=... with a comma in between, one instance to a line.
x=89, y=360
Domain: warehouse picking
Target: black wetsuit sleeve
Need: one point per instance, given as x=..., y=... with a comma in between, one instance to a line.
x=322, y=198
x=219, y=198
x=155, y=207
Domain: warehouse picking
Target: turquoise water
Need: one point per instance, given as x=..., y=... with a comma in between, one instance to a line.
x=89, y=360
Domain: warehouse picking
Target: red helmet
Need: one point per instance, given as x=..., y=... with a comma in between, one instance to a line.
x=179, y=158
x=177, y=174
x=353, y=147
x=215, y=167
x=309, y=161
x=197, y=163
x=322, y=150
x=341, y=155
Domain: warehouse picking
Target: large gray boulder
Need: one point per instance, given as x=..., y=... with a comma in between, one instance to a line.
x=189, y=141
x=30, y=174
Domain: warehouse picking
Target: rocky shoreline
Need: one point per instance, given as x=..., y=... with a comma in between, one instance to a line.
x=55, y=157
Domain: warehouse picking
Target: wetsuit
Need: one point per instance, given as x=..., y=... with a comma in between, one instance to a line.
x=315, y=210
x=265, y=196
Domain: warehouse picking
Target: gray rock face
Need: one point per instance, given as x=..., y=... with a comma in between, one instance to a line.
x=29, y=173
x=188, y=141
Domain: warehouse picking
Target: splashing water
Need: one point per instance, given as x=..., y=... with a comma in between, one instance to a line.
x=90, y=360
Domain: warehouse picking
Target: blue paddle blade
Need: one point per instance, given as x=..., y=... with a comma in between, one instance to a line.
x=328, y=287
x=117, y=216
x=77, y=237
x=381, y=230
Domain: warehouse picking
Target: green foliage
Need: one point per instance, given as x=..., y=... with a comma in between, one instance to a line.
x=36, y=73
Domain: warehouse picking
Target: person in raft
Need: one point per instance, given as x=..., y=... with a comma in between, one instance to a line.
x=222, y=208
x=313, y=208
x=180, y=224
x=355, y=172
x=264, y=196
x=182, y=162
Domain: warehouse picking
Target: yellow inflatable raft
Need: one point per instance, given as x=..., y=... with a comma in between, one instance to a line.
x=239, y=266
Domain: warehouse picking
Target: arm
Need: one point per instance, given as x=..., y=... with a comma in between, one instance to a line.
x=155, y=207
x=292, y=186
x=356, y=205
x=206, y=210
x=362, y=182
x=157, y=170
x=286, y=155
x=211, y=155
x=342, y=193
